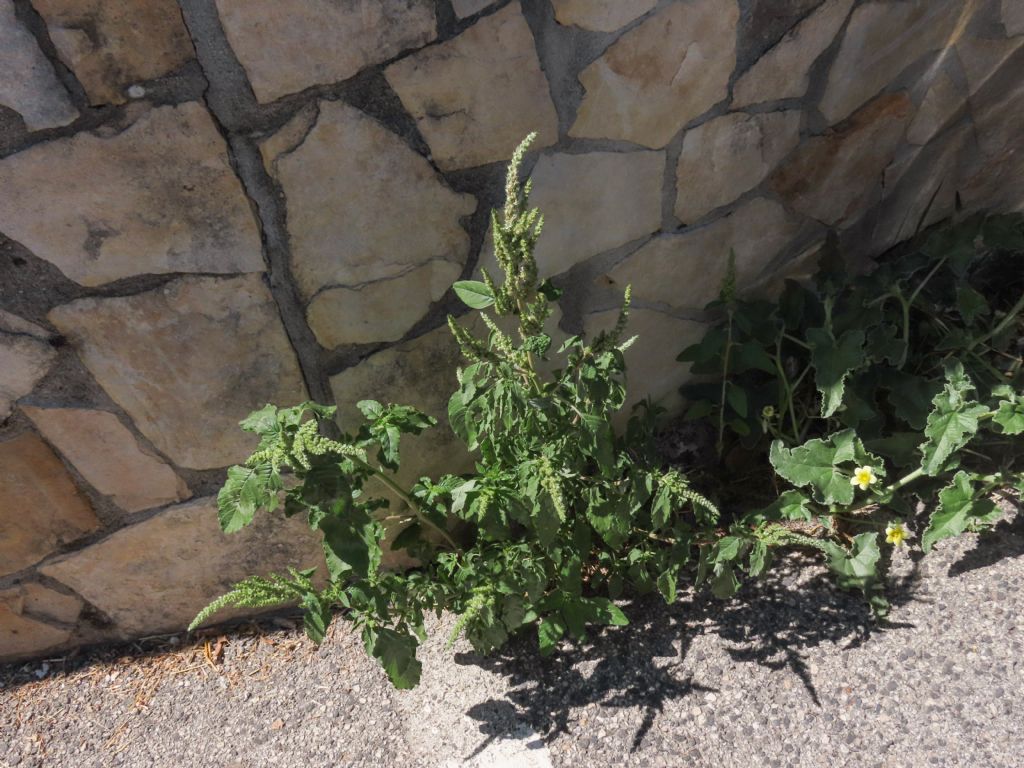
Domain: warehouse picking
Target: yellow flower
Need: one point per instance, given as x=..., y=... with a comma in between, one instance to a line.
x=864, y=477
x=896, y=533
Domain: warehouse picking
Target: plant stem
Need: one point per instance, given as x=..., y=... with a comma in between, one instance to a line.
x=788, y=388
x=796, y=341
x=404, y=496
x=927, y=277
x=859, y=520
x=1003, y=324
x=906, y=329
x=720, y=445
x=889, y=490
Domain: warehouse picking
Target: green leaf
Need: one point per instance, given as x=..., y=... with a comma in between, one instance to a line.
x=667, y=581
x=791, y=505
x=463, y=423
x=726, y=550
x=901, y=447
x=661, y=507
x=1010, y=416
x=352, y=542
x=709, y=348
x=724, y=583
x=371, y=409
x=858, y=568
x=546, y=520
x=970, y=304
x=262, y=421
x=246, y=490
x=957, y=507
x=952, y=422
x=699, y=409
x=883, y=344
x=737, y=398
x=1004, y=231
x=607, y=612
x=396, y=652
x=597, y=440
x=611, y=519
x=474, y=294
x=758, y=559
x=750, y=355
x=550, y=630
x=833, y=360
x=815, y=465
x=860, y=562
x=316, y=617
x=910, y=396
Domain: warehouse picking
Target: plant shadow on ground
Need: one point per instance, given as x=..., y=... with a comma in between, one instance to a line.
x=773, y=623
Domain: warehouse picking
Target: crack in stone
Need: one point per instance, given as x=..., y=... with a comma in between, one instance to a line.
x=406, y=270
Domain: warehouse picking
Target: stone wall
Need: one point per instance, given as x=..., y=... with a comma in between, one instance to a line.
x=206, y=205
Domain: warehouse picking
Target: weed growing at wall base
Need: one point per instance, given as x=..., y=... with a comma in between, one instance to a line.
x=564, y=514
x=887, y=402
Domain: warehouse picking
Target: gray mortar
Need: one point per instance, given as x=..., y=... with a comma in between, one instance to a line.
x=563, y=52
x=763, y=24
x=34, y=23
x=232, y=104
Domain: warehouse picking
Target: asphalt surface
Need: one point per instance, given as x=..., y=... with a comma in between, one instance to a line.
x=791, y=672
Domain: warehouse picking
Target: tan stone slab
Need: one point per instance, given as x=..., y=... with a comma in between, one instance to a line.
x=12, y=323
x=881, y=40
x=419, y=372
x=685, y=271
x=592, y=202
x=1013, y=16
x=383, y=310
x=156, y=575
x=28, y=84
x=362, y=206
x=833, y=177
x=476, y=96
x=996, y=182
x=111, y=45
x=289, y=45
x=23, y=636
x=38, y=601
x=24, y=360
x=921, y=190
x=651, y=366
x=982, y=58
x=942, y=100
x=661, y=74
x=188, y=360
x=464, y=8
x=600, y=15
x=159, y=197
x=782, y=72
x=289, y=136
x=42, y=510
x=109, y=457
x=729, y=155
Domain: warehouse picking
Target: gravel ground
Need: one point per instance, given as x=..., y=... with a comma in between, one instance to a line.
x=790, y=673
